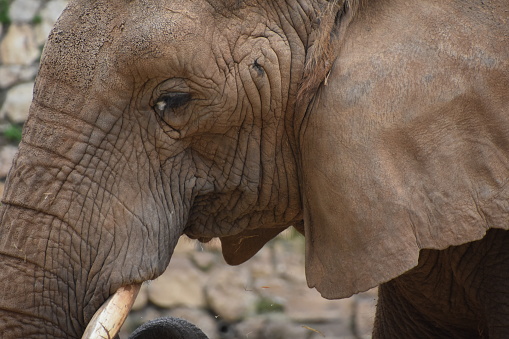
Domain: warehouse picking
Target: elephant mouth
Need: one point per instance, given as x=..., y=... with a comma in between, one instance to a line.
x=108, y=319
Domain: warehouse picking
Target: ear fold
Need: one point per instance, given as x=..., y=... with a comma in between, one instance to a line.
x=391, y=164
x=357, y=235
x=374, y=196
x=241, y=247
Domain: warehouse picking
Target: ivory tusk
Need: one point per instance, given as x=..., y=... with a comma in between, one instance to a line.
x=108, y=319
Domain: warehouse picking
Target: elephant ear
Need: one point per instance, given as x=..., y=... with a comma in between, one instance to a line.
x=391, y=164
x=239, y=248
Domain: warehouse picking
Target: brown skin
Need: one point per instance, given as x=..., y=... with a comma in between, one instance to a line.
x=107, y=179
x=460, y=292
x=235, y=119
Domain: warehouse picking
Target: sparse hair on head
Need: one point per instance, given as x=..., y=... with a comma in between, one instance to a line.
x=321, y=54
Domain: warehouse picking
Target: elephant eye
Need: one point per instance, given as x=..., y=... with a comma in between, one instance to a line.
x=171, y=101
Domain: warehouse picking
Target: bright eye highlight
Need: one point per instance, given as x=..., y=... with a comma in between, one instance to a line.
x=171, y=101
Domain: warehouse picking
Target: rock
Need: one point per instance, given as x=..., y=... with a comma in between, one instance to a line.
x=213, y=245
x=19, y=46
x=185, y=245
x=305, y=304
x=372, y=293
x=275, y=326
x=282, y=327
x=301, y=303
x=250, y=328
x=12, y=74
x=23, y=11
x=329, y=330
x=7, y=153
x=200, y=318
x=180, y=285
x=261, y=265
x=52, y=10
x=271, y=289
x=228, y=294
x=365, y=308
x=17, y=103
x=203, y=260
x=2, y=185
x=49, y=15
x=289, y=258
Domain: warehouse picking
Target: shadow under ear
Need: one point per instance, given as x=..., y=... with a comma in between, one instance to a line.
x=168, y=328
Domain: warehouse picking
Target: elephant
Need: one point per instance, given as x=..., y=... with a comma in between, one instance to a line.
x=378, y=129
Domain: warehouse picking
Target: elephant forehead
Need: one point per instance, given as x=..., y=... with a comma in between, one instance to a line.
x=147, y=29
x=101, y=39
x=71, y=54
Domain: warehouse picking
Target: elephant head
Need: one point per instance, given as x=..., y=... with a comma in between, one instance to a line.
x=236, y=119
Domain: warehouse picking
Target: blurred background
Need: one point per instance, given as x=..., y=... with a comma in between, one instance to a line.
x=265, y=298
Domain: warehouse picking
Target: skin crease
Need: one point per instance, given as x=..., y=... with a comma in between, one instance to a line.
x=236, y=119
x=468, y=298
x=97, y=167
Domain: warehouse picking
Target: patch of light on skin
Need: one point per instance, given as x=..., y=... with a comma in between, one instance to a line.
x=161, y=105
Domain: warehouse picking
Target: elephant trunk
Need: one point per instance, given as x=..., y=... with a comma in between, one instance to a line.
x=37, y=302
x=57, y=271
x=75, y=226
x=93, y=202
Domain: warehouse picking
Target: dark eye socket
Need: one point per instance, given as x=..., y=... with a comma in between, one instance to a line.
x=171, y=100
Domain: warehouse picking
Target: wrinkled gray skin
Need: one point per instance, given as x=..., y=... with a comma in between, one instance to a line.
x=379, y=129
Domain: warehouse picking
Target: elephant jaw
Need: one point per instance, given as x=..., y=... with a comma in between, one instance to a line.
x=108, y=319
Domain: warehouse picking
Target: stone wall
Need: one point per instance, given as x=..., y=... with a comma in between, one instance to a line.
x=24, y=26
x=267, y=297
